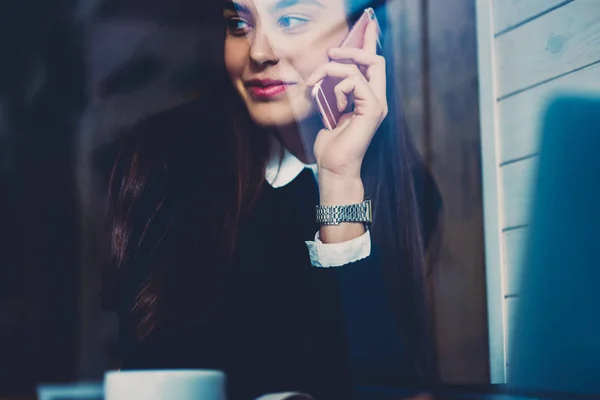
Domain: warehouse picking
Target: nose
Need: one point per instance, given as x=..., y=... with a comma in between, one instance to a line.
x=261, y=49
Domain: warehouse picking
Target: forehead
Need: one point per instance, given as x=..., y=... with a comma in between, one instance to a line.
x=273, y=6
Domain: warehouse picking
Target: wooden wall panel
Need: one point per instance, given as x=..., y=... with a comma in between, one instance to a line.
x=512, y=330
x=519, y=116
x=490, y=172
x=515, y=241
x=517, y=184
x=508, y=13
x=540, y=48
x=555, y=44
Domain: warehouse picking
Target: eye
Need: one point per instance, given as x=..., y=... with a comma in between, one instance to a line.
x=237, y=26
x=291, y=22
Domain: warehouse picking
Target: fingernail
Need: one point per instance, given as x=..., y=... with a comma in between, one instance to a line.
x=340, y=104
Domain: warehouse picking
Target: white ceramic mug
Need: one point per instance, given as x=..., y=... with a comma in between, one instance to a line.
x=164, y=385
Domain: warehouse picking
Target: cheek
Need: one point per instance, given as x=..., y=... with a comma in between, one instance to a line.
x=308, y=64
x=314, y=54
x=235, y=59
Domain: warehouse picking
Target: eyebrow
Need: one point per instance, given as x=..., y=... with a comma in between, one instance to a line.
x=235, y=6
x=281, y=4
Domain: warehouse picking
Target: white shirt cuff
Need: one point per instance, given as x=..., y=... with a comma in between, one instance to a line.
x=325, y=255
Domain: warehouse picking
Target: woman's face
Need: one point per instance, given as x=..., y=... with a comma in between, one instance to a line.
x=273, y=46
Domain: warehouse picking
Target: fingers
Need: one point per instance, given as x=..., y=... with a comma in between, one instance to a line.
x=375, y=73
x=369, y=97
x=353, y=83
x=362, y=75
x=358, y=56
x=371, y=36
x=366, y=102
x=375, y=64
x=341, y=98
x=335, y=70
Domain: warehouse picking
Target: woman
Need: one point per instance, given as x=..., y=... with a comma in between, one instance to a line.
x=216, y=259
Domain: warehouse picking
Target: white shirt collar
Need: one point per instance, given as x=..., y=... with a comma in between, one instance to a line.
x=280, y=170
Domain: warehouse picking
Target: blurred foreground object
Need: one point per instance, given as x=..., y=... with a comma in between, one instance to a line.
x=42, y=95
x=555, y=342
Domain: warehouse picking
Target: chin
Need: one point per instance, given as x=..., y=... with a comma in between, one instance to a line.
x=276, y=116
x=271, y=120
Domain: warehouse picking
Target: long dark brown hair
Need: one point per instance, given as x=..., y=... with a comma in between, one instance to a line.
x=185, y=178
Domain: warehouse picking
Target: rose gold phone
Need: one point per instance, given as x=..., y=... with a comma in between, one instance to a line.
x=322, y=92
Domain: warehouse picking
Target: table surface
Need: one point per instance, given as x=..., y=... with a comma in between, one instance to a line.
x=466, y=392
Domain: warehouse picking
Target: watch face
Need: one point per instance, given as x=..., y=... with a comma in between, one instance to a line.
x=369, y=210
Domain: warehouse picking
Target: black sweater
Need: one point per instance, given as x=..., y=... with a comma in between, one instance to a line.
x=271, y=321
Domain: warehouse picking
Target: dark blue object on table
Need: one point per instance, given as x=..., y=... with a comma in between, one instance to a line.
x=555, y=334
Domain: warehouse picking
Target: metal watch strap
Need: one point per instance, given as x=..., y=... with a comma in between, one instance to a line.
x=334, y=215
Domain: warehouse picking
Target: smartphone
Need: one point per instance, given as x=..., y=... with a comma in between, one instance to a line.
x=322, y=93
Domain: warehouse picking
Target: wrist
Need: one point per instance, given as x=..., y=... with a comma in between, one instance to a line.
x=339, y=190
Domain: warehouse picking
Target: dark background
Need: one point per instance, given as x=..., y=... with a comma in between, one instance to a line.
x=74, y=73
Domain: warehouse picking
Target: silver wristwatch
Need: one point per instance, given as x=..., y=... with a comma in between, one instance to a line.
x=334, y=215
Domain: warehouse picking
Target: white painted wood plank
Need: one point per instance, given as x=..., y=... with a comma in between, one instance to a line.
x=508, y=13
x=557, y=43
x=512, y=329
x=520, y=116
x=515, y=241
x=518, y=181
x=491, y=181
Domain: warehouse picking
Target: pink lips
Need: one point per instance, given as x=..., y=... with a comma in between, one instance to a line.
x=265, y=89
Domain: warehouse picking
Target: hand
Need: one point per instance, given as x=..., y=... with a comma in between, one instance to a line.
x=339, y=152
